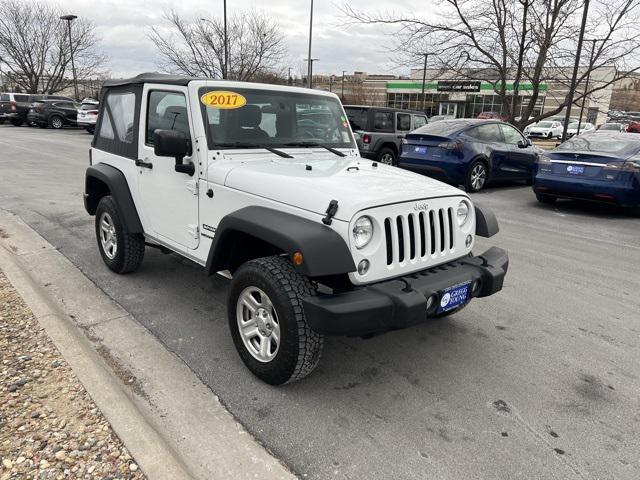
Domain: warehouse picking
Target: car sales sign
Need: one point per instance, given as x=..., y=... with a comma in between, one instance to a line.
x=458, y=86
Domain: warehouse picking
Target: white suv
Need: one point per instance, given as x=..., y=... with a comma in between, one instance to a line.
x=264, y=184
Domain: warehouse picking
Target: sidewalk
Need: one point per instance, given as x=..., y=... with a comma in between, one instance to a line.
x=49, y=426
x=172, y=424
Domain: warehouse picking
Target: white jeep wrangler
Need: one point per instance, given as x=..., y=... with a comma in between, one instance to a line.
x=264, y=183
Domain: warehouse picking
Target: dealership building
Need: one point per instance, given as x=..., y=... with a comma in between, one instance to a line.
x=444, y=95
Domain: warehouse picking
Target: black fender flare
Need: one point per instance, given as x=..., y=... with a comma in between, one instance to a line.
x=118, y=188
x=323, y=249
x=486, y=221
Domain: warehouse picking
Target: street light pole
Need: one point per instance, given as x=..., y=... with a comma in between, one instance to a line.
x=69, y=19
x=424, y=77
x=567, y=115
x=309, y=59
x=586, y=84
x=225, y=73
x=342, y=93
x=310, y=71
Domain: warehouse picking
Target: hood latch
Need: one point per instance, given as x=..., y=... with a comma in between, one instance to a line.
x=331, y=211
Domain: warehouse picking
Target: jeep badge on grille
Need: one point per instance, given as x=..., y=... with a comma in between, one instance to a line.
x=421, y=206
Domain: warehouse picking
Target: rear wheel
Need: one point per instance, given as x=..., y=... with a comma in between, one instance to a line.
x=387, y=156
x=17, y=123
x=90, y=130
x=56, y=122
x=476, y=176
x=267, y=322
x=545, y=198
x=122, y=252
x=42, y=125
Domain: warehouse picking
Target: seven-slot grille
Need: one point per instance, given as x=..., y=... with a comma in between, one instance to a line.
x=419, y=236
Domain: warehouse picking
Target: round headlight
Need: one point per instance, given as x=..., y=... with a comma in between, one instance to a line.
x=462, y=212
x=362, y=231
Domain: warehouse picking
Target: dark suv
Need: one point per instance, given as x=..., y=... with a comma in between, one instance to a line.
x=15, y=106
x=54, y=113
x=380, y=130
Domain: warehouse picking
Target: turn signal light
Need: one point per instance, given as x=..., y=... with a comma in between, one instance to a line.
x=297, y=258
x=366, y=138
x=623, y=166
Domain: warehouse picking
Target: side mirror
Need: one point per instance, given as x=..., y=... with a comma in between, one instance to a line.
x=173, y=143
x=524, y=143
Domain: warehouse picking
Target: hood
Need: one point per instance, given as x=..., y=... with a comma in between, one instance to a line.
x=313, y=178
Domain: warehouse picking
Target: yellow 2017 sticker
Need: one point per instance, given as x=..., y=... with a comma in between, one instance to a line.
x=223, y=99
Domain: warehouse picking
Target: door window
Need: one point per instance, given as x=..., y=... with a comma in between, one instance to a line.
x=511, y=135
x=21, y=98
x=383, y=121
x=404, y=122
x=166, y=111
x=122, y=107
x=419, y=121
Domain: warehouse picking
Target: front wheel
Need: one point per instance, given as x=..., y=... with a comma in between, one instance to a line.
x=17, y=123
x=476, y=177
x=267, y=322
x=122, y=252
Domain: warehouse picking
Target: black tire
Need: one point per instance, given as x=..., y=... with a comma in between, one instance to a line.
x=17, y=123
x=56, y=121
x=387, y=156
x=529, y=182
x=299, y=348
x=90, y=130
x=476, y=167
x=545, y=198
x=549, y=135
x=129, y=248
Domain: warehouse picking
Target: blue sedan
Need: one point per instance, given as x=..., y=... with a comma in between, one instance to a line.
x=469, y=152
x=600, y=167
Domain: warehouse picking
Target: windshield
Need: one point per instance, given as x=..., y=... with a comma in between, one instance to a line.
x=602, y=143
x=273, y=118
x=543, y=124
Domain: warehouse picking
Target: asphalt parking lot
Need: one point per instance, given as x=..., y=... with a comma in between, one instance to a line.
x=540, y=381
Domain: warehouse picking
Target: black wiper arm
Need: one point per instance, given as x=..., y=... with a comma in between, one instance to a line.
x=254, y=145
x=312, y=144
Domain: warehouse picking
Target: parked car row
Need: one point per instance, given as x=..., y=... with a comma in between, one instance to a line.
x=47, y=111
x=598, y=165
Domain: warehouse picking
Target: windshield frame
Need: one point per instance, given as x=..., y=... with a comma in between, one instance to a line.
x=227, y=143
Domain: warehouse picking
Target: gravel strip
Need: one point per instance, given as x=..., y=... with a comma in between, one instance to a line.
x=49, y=426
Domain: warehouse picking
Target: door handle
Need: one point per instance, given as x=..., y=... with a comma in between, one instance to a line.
x=140, y=163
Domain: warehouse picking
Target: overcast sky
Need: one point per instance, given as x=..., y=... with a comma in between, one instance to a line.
x=122, y=25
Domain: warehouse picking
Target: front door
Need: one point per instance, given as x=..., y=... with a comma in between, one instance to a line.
x=520, y=162
x=449, y=108
x=169, y=198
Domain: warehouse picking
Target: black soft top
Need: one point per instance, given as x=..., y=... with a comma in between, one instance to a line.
x=152, y=77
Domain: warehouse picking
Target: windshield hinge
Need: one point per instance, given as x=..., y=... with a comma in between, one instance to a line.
x=192, y=186
x=331, y=212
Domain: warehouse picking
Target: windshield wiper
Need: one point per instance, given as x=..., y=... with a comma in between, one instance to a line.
x=313, y=144
x=254, y=145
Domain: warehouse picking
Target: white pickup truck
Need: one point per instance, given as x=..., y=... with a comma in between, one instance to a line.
x=264, y=184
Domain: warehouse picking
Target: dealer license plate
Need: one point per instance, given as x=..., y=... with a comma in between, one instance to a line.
x=453, y=297
x=575, y=169
x=421, y=150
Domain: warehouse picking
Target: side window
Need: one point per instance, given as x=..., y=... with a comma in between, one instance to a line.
x=21, y=98
x=404, y=122
x=383, y=121
x=486, y=133
x=511, y=135
x=166, y=111
x=4, y=97
x=419, y=121
x=119, y=124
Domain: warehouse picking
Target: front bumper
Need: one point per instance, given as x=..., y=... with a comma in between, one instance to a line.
x=402, y=302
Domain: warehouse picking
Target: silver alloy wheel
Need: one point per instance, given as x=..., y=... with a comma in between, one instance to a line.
x=478, y=176
x=387, y=159
x=56, y=122
x=258, y=324
x=108, y=238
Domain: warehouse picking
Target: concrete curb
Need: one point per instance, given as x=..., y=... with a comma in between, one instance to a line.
x=172, y=424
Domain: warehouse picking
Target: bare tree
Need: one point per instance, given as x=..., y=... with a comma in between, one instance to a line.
x=509, y=42
x=196, y=47
x=34, y=45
